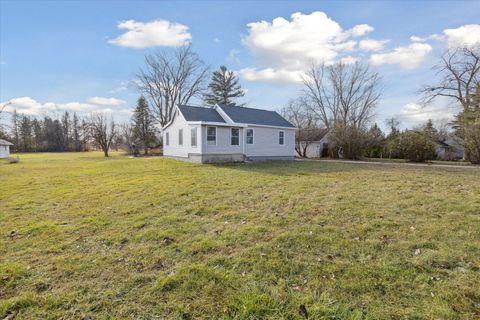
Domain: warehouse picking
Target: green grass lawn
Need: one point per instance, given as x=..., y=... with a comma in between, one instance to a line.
x=86, y=237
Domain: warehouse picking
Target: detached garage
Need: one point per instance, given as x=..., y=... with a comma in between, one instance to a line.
x=5, y=148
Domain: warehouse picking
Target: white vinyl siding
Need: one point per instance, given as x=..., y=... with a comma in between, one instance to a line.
x=193, y=136
x=249, y=136
x=235, y=136
x=211, y=136
x=173, y=148
x=4, y=151
x=266, y=143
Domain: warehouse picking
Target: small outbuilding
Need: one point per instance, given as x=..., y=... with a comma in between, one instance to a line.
x=5, y=148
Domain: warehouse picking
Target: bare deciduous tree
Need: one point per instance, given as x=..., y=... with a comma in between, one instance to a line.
x=128, y=137
x=168, y=80
x=102, y=131
x=344, y=98
x=301, y=116
x=460, y=81
x=460, y=77
x=342, y=94
x=393, y=124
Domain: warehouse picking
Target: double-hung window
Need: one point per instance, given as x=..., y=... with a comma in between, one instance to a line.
x=281, y=137
x=167, y=139
x=211, y=136
x=249, y=136
x=180, y=137
x=193, y=135
x=235, y=136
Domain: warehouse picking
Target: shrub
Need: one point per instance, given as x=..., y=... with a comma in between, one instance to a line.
x=471, y=130
x=349, y=140
x=13, y=160
x=415, y=146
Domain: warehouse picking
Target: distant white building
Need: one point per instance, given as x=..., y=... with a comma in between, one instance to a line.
x=449, y=149
x=226, y=133
x=5, y=148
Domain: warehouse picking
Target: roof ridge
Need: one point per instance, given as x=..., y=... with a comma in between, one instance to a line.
x=189, y=105
x=233, y=106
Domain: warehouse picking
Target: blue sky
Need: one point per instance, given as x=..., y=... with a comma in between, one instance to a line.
x=67, y=55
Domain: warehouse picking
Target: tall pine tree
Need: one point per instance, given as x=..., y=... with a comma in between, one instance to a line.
x=223, y=88
x=143, y=124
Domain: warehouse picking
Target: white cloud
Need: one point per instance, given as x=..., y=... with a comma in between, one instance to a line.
x=372, y=44
x=106, y=101
x=418, y=114
x=279, y=76
x=29, y=106
x=360, y=30
x=233, y=56
x=284, y=47
x=155, y=33
x=467, y=35
x=407, y=57
x=216, y=40
x=349, y=60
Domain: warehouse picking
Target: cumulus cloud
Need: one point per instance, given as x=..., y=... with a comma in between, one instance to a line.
x=106, y=101
x=464, y=36
x=372, y=44
x=279, y=76
x=418, y=114
x=360, y=30
x=29, y=106
x=284, y=47
x=408, y=57
x=157, y=33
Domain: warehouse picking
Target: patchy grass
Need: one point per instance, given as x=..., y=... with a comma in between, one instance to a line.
x=86, y=237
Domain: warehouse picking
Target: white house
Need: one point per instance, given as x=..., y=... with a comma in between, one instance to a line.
x=312, y=143
x=5, y=148
x=226, y=133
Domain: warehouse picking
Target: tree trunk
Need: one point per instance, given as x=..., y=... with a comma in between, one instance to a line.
x=105, y=152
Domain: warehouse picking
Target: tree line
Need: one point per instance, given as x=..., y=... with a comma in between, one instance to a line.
x=166, y=80
x=342, y=98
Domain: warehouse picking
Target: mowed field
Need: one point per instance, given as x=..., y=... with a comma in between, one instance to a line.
x=83, y=237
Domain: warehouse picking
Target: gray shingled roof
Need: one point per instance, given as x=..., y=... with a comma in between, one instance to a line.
x=5, y=143
x=191, y=113
x=255, y=116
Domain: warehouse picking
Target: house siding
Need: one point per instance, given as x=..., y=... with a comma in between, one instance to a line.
x=223, y=141
x=266, y=143
x=4, y=151
x=182, y=151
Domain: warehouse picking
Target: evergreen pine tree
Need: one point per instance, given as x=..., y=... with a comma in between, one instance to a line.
x=143, y=124
x=223, y=87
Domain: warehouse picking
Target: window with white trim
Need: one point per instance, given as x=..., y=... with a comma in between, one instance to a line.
x=235, y=136
x=249, y=136
x=281, y=137
x=212, y=136
x=180, y=137
x=193, y=135
x=167, y=139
